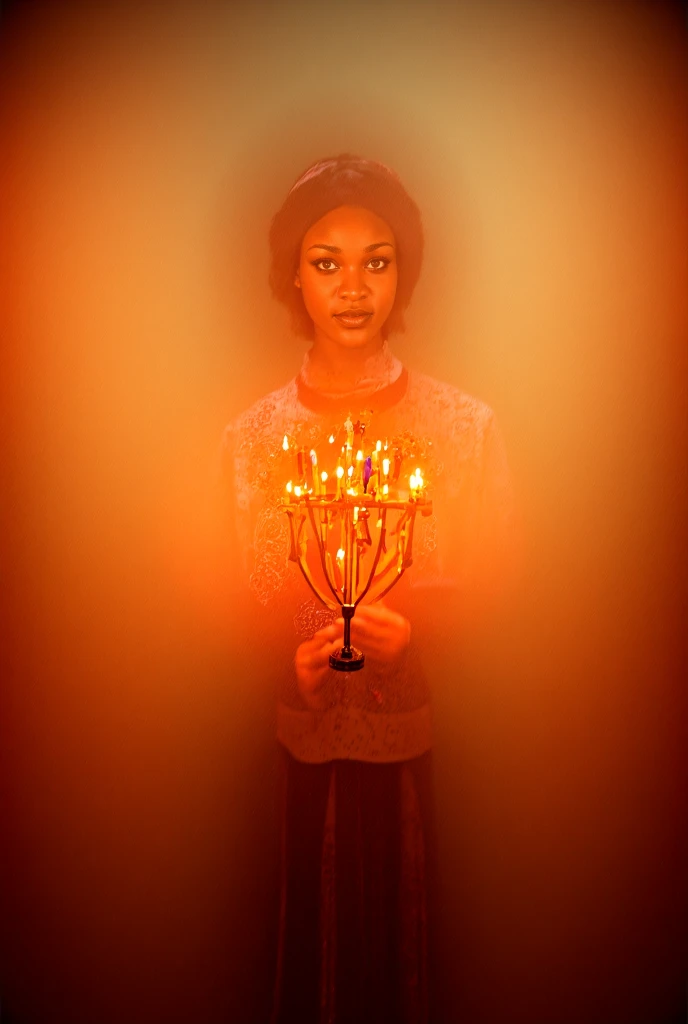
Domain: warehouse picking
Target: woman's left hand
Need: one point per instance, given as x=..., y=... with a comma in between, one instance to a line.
x=380, y=632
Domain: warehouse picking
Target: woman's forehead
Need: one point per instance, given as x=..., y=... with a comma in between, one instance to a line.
x=354, y=226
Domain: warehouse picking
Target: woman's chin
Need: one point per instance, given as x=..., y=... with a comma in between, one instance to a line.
x=355, y=338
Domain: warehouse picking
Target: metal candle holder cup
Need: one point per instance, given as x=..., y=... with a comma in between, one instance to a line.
x=369, y=560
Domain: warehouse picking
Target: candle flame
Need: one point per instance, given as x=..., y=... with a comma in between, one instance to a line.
x=378, y=446
x=385, y=488
x=340, y=472
x=297, y=492
x=314, y=457
x=340, y=554
x=323, y=476
x=385, y=466
x=285, y=443
x=359, y=455
x=289, y=487
x=379, y=523
x=350, y=471
x=331, y=438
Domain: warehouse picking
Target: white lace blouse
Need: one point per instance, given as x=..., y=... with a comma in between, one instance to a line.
x=460, y=553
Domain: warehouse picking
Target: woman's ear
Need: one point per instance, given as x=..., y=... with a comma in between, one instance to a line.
x=297, y=280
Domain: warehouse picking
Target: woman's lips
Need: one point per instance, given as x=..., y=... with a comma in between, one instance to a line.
x=353, y=318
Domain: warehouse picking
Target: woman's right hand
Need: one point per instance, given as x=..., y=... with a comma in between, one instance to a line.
x=312, y=662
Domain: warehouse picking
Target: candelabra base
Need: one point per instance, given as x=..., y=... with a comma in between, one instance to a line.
x=347, y=659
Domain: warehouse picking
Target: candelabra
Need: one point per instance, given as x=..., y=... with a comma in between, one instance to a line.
x=357, y=519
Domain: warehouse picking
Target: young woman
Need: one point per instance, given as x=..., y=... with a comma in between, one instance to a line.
x=358, y=865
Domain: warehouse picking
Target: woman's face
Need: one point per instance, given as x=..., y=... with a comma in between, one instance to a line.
x=348, y=276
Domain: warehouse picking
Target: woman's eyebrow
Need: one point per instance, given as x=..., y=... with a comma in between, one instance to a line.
x=334, y=248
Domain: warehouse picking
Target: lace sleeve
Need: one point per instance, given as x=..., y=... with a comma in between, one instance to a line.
x=472, y=564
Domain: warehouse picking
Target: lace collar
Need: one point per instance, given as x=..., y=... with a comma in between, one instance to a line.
x=376, y=401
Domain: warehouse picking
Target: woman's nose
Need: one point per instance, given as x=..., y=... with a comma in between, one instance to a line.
x=352, y=283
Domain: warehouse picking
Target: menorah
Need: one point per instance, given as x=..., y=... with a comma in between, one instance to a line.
x=335, y=510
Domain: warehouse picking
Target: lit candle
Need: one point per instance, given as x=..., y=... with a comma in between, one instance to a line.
x=416, y=484
x=314, y=471
x=340, y=474
x=289, y=491
x=341, y=554
x=323, y=478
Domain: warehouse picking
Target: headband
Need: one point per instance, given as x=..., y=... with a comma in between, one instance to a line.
x=322, y=165
x=316, y=169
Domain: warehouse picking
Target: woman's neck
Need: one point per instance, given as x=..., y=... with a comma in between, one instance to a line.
x=344, y=372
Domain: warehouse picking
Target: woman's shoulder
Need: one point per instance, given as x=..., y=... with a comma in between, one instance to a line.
x=447, y=408
x=264, y=416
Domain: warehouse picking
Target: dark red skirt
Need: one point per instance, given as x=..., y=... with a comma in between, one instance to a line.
x=358, y=893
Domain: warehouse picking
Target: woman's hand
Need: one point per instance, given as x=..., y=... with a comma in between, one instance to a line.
x=312, y=663
x=380, y=632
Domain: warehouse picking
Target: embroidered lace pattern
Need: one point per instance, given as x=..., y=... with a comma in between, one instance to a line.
x=379, y=714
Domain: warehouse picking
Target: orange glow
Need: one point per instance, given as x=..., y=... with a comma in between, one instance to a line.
x=145, y=148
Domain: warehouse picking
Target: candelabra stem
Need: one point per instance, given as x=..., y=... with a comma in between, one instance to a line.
x=348, y=613
x=347, y=658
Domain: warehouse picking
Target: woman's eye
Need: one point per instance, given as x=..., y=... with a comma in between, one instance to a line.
x=381, y=262
x=325, y=264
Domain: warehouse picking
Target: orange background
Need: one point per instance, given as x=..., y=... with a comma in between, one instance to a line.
x=145, y=151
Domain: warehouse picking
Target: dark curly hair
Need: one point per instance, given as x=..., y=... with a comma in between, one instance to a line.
x=344, y=180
